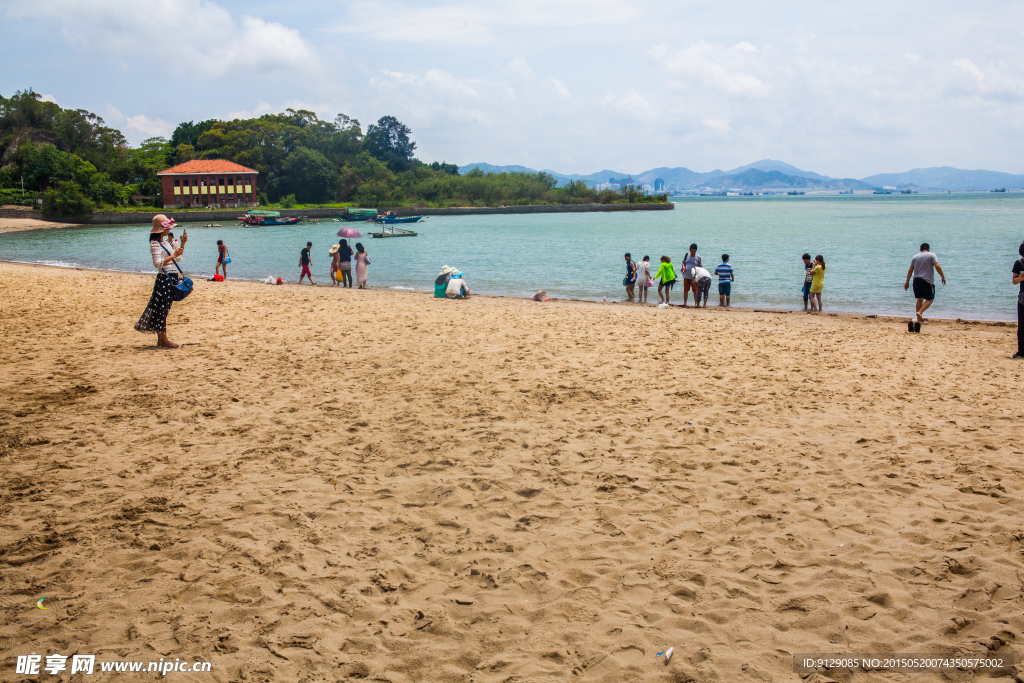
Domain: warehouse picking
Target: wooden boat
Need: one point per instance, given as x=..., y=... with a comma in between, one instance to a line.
x=261, y=218
x=391, y=220
x=360, y=215
x=392, y=231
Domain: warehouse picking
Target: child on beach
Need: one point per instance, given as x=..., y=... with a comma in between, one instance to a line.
x=304, y=264
x=666, y=277
x=817, y=281
x=643, y=274
x=222, y=259
x=335, y=264
x=808, y=278
x=725, y=279
x=690, y=261
x=701, y=286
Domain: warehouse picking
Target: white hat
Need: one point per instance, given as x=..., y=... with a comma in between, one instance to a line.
x=446, y=270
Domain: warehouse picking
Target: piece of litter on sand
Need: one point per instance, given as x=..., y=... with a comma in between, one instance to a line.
x=668, y=655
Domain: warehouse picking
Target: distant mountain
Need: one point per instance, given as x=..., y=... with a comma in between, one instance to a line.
x=756, y=179
x=781, y=166
x=491, y=168
x=769, y=174
x=948, y=178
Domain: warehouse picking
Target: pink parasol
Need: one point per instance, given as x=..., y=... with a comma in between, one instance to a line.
x=349, y=232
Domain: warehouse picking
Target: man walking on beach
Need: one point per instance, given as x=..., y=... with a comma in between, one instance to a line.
x=304, y=264
x=922, y=268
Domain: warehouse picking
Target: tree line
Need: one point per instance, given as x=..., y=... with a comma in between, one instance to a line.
x=74, y=163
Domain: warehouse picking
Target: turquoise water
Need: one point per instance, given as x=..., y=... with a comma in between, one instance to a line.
x=867, y=242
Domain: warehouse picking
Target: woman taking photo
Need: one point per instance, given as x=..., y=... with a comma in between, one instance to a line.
x=362, y=265
x=154, y=318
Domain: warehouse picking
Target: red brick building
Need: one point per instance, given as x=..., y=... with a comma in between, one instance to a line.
x=212, y=183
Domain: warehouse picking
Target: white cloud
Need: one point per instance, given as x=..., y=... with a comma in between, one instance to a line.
x=559, y=88
x=520, y=68
x=185, y=37
x=716, y=66
x=632, y=103
x=476, y=23
x=149, y=127
x=48, y=98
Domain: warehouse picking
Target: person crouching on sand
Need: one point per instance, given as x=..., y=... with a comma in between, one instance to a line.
x=666, y=277
x=457, y=288
x=701, y=286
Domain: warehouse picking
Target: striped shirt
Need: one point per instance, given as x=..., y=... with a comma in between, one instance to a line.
x=724, y=272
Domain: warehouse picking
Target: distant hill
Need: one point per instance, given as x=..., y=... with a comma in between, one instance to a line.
x=948, y=178
x=491, y=168
x=781, y=166
x=756, y=179
x=769, y=174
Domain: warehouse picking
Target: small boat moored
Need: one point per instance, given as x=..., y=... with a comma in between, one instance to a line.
x=262, y=218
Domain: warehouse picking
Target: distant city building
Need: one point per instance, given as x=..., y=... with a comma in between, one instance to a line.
x=210, y=183
x=626, y=182
x=659, y=185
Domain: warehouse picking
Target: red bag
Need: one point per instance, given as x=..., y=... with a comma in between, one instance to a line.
x=218, y=278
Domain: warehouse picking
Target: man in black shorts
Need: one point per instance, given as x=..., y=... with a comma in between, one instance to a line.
x=922, y=268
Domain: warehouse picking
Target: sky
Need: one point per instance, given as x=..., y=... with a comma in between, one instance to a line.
x=844, y=89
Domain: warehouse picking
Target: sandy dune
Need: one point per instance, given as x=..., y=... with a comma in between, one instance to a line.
x=331, y=484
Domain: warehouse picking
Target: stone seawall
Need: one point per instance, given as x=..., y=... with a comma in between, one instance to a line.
x=231, y=215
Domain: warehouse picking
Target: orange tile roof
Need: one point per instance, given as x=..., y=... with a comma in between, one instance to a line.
x=207, y=166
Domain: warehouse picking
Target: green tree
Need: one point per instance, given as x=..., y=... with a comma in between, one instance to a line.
x=310, y=176
x=67, y=199
x=388, y=140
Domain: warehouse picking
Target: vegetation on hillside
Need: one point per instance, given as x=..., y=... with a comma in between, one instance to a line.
x=74, y=163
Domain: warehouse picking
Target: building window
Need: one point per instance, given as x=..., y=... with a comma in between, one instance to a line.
x=176, y=182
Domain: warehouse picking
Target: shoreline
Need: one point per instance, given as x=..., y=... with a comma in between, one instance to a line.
x=202, y=216
x=881, y=317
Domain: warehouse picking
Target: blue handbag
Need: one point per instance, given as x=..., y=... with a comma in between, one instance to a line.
x=227, y=256
x=183, y=287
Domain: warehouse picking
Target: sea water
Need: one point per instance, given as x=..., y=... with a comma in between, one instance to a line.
x=867, y=243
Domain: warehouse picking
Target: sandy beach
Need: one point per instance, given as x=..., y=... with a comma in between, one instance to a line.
x=328, y=484
x=19, y=224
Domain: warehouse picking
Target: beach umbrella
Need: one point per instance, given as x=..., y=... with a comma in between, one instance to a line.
x=349, y=232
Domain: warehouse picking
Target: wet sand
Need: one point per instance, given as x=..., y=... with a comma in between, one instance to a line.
x=326, y=484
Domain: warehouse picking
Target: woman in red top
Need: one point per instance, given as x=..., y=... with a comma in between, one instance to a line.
x=222, y=251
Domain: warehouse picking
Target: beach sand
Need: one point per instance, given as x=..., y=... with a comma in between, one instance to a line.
x=328, y=484
x=19, y=224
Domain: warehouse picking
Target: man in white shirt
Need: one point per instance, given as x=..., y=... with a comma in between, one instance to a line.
x=922, y=268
